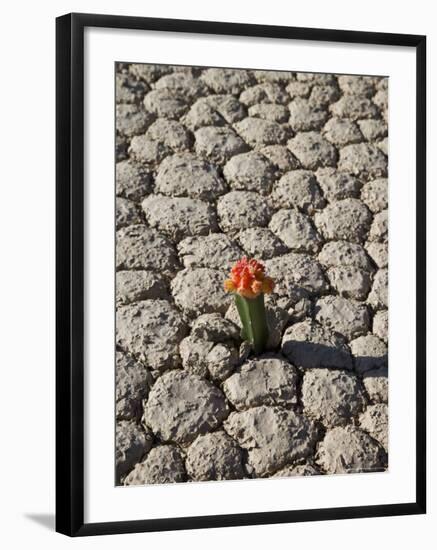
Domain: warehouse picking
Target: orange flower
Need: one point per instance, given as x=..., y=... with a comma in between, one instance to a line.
x=248, y=279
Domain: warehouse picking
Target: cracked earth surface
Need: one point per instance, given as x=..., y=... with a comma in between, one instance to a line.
x=290, y=168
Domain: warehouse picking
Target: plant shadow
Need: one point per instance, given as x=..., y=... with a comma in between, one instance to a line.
x=309, y=355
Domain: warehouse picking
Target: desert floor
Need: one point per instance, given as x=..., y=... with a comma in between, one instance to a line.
x=214, y=164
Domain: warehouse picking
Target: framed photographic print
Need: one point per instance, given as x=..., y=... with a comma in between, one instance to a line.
x=240, y=274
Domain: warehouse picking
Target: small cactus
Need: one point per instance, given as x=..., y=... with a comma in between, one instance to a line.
x=249, y=283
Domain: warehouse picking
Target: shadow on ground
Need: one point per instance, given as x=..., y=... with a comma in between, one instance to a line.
x=46, y=520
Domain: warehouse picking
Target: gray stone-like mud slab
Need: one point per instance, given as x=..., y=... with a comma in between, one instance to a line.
x=312, y=150
x=379, y=229
x=126, y=213
x=222, y=361
x=357, y=85
x=350, y=450
x=194, y=352
x=272, y=436
x=378, y=297
x=379, y=253
x=266, y=380
x=369, y=353
x=165, y=104
x=227, y=81
x=184, y=84
x=218, y=144
x=132, y=385
x=293, y=270
x=341, y=131
x=275, y=113
x=214, y=456
x=373, y=130
x=182, y=406
x=354, y=107
x=163, y=464
x=281, y=157
x=260, y=242
x=184, y=175
x=347, y=317
x=132, y=442
x=250, y=172
x=380, y=324
x=348, y=219
x=258, y=132
x=364, y=160
x=350, y=282
x=296, y=231
x=133, y=180
x=242, y=209
x=214, y=328
x=337, y=185
x=345, y=254
x=139, y=247
x=305, y=115
x=308, y=344
x=267, y=93
x=179, y=217
x=200, y=290
x=171, y=134
x=376, y=384
x=374, y=420
x=305, y=469
x=331, y=396
x=151, y=330
x=375, y=195
x=216, y=251
x=135, y=286
x=298, y=189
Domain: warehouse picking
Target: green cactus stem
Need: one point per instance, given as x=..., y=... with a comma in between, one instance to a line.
x=253, y=318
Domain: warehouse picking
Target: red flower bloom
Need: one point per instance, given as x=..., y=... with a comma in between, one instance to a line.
x=248, y=279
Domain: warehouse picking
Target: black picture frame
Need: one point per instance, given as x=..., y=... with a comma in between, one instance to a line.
x=70, y=273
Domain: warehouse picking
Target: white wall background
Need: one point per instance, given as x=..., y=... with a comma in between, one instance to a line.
x=27, y=124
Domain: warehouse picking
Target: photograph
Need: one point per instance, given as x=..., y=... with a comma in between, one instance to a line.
x=251, y=285
x=216, y=255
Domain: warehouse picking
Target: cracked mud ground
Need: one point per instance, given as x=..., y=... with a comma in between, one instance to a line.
x=289, y=168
